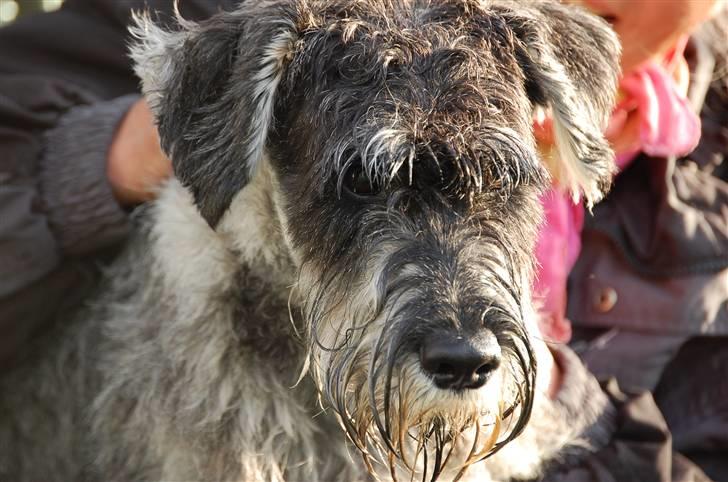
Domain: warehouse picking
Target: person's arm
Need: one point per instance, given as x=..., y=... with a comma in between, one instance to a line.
x=76, y=152
x=55, y=202
x=613, y=436
x=97, y=161
x=64, y=189
x=67, y=173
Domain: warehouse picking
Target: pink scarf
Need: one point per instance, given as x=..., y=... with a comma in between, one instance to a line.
x=667, y=126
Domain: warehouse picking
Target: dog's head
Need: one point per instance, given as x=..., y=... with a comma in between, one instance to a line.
x=399, y=135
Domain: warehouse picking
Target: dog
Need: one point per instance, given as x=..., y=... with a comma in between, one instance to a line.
x=336, y=283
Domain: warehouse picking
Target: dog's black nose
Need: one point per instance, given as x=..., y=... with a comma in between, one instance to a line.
x=460, y=362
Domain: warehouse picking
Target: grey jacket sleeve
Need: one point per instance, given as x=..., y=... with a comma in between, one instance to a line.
x=59, y=74
x=82, y=212
x=69, y=209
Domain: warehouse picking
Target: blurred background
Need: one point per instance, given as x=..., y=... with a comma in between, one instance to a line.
x=12, y=9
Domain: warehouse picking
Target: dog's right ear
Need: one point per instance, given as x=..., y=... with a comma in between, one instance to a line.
x=211, y=87
x=571, y=62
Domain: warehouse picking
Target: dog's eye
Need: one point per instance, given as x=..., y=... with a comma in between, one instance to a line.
x=357, y=182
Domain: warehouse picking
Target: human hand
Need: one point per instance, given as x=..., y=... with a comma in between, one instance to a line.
x=135, y=162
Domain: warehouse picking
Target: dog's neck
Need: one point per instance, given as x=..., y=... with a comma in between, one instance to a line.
x=246, y=256
x=250, y=235
x=253, y=230
x=230, y=287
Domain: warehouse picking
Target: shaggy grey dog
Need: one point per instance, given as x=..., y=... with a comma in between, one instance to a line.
x=348, y=244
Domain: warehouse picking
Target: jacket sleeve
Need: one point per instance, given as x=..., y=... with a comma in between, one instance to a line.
x=82, y=212
x=66, y=82
x=61, y=99
x=55, y=199
x=634, y=442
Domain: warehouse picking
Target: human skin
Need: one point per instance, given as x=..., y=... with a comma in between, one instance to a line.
x=136, y=164
x=649, y=28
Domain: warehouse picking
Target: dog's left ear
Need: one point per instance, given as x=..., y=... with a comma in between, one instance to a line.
x=571, y=62
x=211, y=86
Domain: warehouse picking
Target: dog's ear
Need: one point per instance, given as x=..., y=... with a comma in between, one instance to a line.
x=571, y=62
x=211, y=86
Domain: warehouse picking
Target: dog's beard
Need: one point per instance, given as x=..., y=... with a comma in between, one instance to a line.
x=389, y=408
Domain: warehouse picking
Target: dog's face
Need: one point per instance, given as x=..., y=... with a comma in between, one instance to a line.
x=399, y=135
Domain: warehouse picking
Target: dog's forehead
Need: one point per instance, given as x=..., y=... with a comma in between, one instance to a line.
x=400, y=30
x=418, y=62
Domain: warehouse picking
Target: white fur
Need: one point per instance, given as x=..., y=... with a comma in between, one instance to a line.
x=268, y=78
x=185, y=245
x=569, y=169
x=154, y=53
x=383, y=143
x=254, y=226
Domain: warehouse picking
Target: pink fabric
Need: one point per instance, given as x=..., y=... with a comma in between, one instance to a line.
x=667, y=126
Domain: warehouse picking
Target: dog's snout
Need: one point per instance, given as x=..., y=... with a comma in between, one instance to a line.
x=460, y=362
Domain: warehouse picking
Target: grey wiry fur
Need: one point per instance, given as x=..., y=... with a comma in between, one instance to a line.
x=353, y=179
